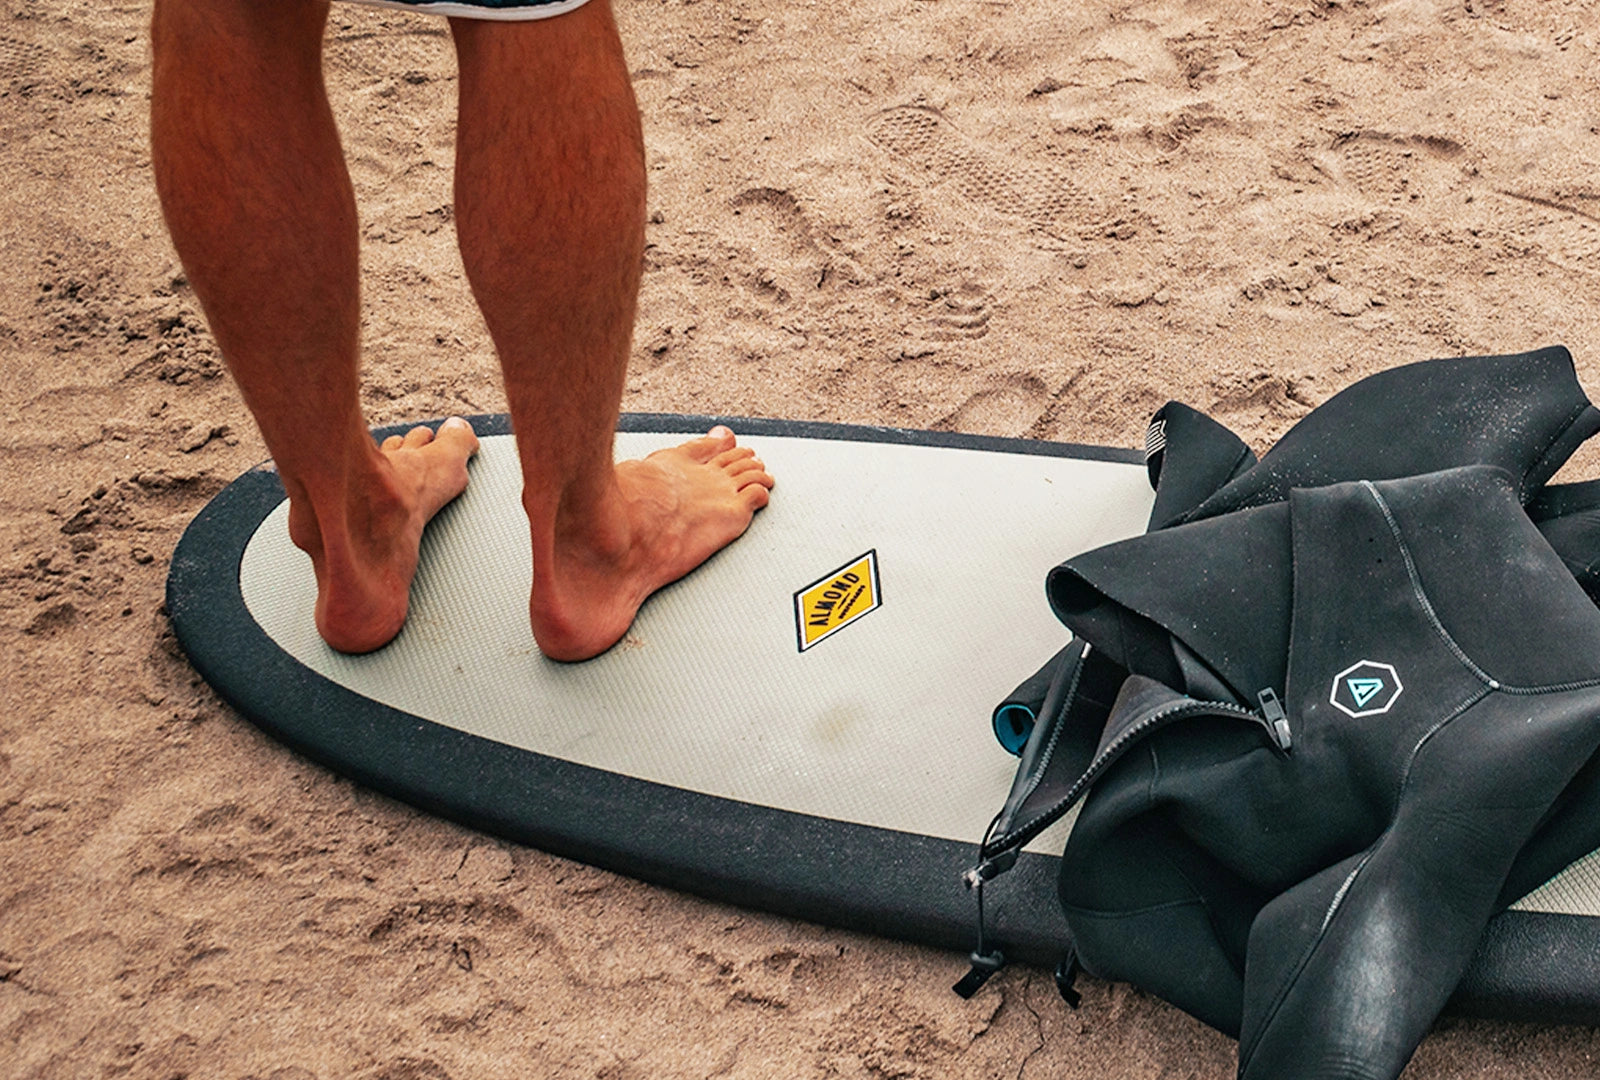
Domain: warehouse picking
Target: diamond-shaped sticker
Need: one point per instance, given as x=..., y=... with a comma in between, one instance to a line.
x=1366, y=689
x=835, y=600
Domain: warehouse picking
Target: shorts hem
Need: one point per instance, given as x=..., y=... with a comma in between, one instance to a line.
x=459, y=10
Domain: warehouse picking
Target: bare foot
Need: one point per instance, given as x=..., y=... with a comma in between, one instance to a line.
x=365, y=550
x=665, y=515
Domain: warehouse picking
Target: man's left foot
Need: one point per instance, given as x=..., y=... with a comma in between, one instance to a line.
x=664, y=515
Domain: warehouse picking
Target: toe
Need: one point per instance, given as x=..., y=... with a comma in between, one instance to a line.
x=730, y=457
x=756, y=495
x=393, y=442
x=458, y=432
x=749, y=474
x=418, y=436
x=716, y=441
x=744, y=465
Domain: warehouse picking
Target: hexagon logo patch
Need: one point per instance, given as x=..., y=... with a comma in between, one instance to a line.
x=1366, y=689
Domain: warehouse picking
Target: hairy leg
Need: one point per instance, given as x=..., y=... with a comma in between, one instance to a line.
x=550, y=210
x=256, y=195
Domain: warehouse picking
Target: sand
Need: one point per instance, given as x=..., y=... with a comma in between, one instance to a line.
x=1013, y=218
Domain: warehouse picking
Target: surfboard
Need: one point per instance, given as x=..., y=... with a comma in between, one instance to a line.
x=801, y=726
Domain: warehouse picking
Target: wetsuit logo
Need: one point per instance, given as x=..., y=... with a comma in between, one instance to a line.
x=1366, y=689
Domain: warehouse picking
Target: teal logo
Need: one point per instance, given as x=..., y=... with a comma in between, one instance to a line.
x=1366, y=689
x=1363, y=690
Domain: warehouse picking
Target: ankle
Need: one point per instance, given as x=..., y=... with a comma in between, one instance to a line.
x=588, y=523
x=346, y=506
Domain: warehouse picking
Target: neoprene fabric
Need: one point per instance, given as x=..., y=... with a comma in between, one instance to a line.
x=1315, y=874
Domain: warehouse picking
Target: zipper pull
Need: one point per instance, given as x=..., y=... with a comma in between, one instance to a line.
x=1277, y=720
x=989, y=869
x=1067, y=977
x=983, y=966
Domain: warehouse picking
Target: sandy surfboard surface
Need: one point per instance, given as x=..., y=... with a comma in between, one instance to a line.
x=1019, y=219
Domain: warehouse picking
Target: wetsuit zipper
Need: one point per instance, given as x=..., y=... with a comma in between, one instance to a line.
x=1272, y=720
x=985, y=962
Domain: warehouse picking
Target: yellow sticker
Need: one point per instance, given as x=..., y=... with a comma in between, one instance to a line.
x=837, y=600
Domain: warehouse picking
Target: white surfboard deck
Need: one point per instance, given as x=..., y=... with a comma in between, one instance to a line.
x=884, y=722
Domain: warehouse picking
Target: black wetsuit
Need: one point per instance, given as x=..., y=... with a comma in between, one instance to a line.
x=1313, y=871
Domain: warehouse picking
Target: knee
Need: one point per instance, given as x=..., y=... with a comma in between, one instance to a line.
x=200, y=28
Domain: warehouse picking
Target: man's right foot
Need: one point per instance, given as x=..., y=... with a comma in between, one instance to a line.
x=667, y=514
x=366, y=555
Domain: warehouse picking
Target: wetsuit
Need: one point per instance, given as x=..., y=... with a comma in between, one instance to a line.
x=1313, y=871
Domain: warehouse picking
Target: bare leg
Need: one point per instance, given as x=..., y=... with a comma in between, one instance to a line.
x=550, y=211
x=254, y=188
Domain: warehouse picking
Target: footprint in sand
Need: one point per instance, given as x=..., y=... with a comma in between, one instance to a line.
x=1566, y=235
x=1399, y=168
x=1042, y=194
x=20, y=61
x=1011, y=405
x=1424, y=170
x=961, y=315
x=783, y=249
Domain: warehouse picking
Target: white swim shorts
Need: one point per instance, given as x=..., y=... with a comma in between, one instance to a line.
x=502, y=10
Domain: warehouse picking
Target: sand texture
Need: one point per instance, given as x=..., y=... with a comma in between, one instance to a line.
x=1013, y=218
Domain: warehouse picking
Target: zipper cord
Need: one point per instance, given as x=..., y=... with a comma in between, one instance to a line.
x=985, y=962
